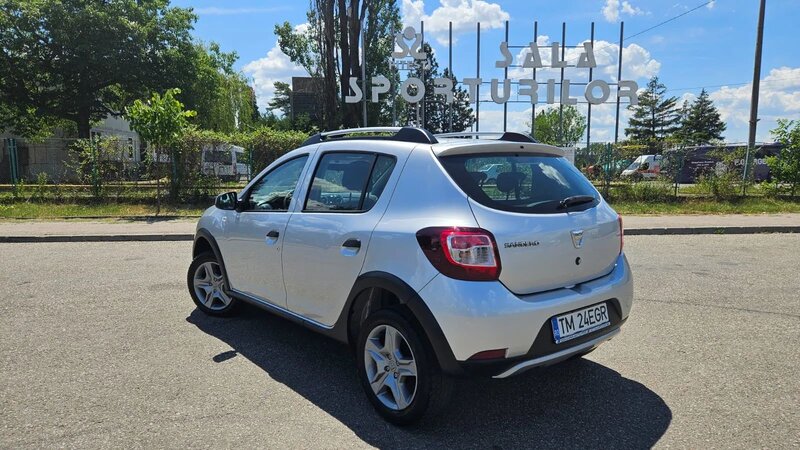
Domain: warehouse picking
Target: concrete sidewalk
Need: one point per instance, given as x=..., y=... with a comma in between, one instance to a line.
x=183, y=229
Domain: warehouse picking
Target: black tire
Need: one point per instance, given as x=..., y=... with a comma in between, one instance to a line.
x=433, y=388
x=218, y=305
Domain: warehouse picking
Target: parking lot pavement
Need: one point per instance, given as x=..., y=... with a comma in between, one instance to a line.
x=100, y=346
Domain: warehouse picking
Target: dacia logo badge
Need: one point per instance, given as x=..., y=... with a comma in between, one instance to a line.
x=577, y=238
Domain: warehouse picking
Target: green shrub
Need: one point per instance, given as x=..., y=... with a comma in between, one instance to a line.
x=772, y=189
x=41, y=186
x=723, y=186
x=265, y=145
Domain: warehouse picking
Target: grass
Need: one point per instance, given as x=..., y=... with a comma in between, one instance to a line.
x=683, y=205
x=749, y=205
x=46, y=211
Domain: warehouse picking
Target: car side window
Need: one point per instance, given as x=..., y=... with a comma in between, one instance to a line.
x=274, y=191
x=348, y=182
x=378, y=179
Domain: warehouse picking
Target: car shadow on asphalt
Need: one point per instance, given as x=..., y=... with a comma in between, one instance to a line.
x=576, y=404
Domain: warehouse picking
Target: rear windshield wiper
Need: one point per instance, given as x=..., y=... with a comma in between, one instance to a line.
x=575, y=200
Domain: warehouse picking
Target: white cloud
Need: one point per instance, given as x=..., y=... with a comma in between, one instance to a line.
x=612, y=10
x=637, y=63
x=711, y=4
x=631, y=10
x=779, y=97
x=276, y=66
x=464, y=14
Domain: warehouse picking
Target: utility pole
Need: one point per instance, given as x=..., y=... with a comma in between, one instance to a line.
x=751, y=140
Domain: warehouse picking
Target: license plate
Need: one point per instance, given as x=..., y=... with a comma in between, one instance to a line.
x=579, y=323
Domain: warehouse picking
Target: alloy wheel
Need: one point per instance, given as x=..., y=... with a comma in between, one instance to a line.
x=209, y=286
x=391, y=367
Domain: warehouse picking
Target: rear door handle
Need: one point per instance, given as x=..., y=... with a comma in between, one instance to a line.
x=352, y=243
x=273, y=234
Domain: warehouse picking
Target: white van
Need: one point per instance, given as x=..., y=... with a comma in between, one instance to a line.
x=226, y=162
x=645, y=167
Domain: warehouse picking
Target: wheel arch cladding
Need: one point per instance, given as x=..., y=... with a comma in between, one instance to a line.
x=203, y=242
x=410, y=300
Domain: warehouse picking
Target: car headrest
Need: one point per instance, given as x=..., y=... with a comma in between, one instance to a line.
x=355, y=175
x=508, y=181
x=478, y=177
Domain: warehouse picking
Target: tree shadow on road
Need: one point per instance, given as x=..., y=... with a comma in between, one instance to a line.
x=577, y=404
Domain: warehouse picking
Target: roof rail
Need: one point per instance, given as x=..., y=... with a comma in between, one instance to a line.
x=510, y=136
x=403, y=134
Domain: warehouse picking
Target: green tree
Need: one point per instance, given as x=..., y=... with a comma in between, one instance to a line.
x=701, y=123
x=209, y=85
x=161, y=122
x=548, y=129
x=655, y=118
x=434, y=109
x=329, y=50
x=282, y=99
x=785, y=168
x=82, y=60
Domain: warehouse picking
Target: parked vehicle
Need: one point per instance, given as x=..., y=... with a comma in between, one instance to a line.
x=394, y=245
x=645, y=167
x=225, y=162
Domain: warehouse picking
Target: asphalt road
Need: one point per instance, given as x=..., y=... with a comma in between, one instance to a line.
x=100, y=346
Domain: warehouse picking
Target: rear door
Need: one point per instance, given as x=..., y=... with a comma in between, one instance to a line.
x=327, y=239
x=550, y=224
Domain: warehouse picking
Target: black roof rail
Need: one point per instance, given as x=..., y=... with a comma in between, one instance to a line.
x=510, y=136
x=402, y=134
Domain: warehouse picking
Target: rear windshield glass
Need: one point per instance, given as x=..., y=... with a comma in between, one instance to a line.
x=526, y=183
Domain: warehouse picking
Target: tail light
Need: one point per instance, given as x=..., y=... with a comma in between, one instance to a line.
x=461, y=253
x=621, y=233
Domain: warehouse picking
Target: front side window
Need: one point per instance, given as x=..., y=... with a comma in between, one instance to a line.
x=274, y=191
x=525, y=183
x=348, y=182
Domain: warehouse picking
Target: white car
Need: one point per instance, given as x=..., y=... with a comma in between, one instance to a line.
x=389, y=243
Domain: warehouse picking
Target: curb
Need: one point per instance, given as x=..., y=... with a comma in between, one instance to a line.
x=174, y=237
x=99, y=238
x=666, y=231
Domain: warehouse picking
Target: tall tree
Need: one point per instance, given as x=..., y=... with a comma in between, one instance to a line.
x=701, y=123
x=282, y=99
x=548, y=126
x=211, y=86
x=655, y=118
x=329, y=49
x=81, y=60
x=433, y=108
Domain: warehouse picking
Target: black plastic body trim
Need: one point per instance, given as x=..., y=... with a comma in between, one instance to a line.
x=408, y=297
x=405, y=134
x=544, y=344
x=202, y=233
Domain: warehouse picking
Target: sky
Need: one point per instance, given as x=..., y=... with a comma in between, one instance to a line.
x=710, y=47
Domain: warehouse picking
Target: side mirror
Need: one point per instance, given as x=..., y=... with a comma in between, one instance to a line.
x=226, y=201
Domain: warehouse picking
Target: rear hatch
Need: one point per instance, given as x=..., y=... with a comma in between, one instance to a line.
x=550, y=224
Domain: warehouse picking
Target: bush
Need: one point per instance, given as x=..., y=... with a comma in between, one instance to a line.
x=785, y=168
x=645, y=191
x=97, y=162
x=265, y=145
x=41, y=186
x=724, y=186
x=772, y=189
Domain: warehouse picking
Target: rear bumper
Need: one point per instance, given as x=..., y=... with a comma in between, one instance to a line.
x=480, y=316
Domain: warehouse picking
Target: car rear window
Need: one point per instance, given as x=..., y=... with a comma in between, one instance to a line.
x=526, y=183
